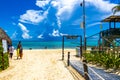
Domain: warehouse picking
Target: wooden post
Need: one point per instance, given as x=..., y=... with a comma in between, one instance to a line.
x=85, y=70
x=68, y=61
x=81, y=47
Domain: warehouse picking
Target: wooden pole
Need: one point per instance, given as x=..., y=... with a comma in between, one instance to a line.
x=68, y=61
x=84, y=28
x=99, y=42
x=81, y=47
x=85, y=70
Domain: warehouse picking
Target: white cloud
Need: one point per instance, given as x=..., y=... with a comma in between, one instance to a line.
x=42, y=3
x=58, y=22
x=102, y=5
x=13, y=23
x=63, y=34
x=40, y=36
x=93, y=24
x=25, y=34
x=64, y=10
x=77, y=22
x=23, y=28
x=55, y=33
x=55, y=3
x=14, y=35
x=64, y=7
x=33, y=16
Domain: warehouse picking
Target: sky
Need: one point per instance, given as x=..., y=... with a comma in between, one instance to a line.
x=49, y=20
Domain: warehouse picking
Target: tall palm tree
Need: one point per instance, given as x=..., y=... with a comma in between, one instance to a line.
x=116, y=9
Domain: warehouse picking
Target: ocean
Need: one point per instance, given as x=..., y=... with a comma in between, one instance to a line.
x=49, y=45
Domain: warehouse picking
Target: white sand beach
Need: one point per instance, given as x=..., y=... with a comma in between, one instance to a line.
x=44, y=64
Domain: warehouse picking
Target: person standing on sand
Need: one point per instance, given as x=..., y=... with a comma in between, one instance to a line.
x=11, y=50
x=19, y=50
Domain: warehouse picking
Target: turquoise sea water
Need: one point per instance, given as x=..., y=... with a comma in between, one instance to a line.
x=49, y=45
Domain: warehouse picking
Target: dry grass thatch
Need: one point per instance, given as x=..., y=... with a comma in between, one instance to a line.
x=3, y=35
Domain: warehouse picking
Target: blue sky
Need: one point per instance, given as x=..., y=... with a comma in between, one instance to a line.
x=46, y=20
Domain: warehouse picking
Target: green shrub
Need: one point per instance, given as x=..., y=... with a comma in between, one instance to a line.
x=4, y=59
x=107, y=60
x=116, y=62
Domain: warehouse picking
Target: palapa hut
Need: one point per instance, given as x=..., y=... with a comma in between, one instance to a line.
x=113, y=33
x=3, y=35
x=4, y=61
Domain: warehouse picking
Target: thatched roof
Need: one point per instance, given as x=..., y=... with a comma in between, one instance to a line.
x=113, y=18
x=3, y=35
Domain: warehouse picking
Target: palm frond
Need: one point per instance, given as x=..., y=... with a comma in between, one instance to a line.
x=116, y=9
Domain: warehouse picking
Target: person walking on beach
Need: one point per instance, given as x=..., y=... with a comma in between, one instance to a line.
x=19, y=50
x=11, y=50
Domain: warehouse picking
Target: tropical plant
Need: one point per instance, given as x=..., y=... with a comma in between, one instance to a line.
x=5, y=57
x=107, y=60
x=116, y=9
x=1, y=50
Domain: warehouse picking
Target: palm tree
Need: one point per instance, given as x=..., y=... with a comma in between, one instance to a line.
x=116, y=9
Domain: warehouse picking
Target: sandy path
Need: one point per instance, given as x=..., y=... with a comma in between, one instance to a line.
x=37, y=65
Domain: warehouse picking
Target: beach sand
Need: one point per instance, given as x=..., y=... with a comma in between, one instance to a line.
x=44, y=64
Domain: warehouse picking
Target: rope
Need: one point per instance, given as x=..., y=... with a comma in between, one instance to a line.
x=96, y=74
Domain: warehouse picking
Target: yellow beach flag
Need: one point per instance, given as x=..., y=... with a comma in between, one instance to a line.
x=81, y=25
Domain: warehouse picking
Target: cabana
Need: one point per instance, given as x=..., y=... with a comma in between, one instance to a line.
x=109, y=38
x=111, y=35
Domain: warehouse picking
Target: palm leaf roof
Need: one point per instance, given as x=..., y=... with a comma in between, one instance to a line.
x=113, y=18
x=3, y=35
